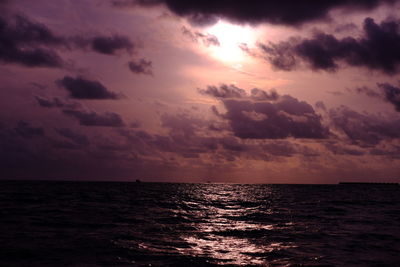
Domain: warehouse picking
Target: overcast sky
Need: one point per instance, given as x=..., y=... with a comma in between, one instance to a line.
x=193, y=91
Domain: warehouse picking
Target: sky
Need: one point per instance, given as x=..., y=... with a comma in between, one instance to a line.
x=195, y=91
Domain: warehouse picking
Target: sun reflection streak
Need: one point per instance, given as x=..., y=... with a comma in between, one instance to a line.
x=220, y=237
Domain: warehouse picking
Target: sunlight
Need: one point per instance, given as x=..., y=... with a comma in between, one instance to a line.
x=230, y=36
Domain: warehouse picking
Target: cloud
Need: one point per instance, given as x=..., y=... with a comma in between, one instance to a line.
x=223, y=91
x=392, y=152
x=142, y=66
x=24, y=129
x=232, y=91
x=109, y=45
x=376, y=50
x=205, y=38
x=81, y=88
x=347, y=27
x=338, y=148
x=79, y=139
x=56, y=102
x=364, y=129
x=280, y=55
x=182, y=124
x=389, y=93
x=261, y=95
x=262, y=115
x=367, y=91
x=27, y=43
x=288, y=12
x=392, y=94
x=102, y=44
x=33, y=44
x=288, y=118
x=320, y=105
x=190, y=136
x=91, y=118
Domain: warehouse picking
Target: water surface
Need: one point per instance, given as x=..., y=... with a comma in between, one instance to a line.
x=166, y=224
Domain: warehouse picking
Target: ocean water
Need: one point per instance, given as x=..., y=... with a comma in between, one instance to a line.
x=167, y=224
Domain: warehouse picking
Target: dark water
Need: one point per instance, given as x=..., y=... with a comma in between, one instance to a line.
x=156, y=224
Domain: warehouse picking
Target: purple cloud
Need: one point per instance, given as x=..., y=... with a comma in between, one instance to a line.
x=263, y=115
x=376, y=50
x=91, y=118
x=141, y=66
x=289, y=12
x=81, y=88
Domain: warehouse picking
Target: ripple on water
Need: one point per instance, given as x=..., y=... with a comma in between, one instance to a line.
x=125, y=224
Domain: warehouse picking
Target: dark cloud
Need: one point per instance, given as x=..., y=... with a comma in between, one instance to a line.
x=232, y=144
x=289, y=12
x=388, y=92
x=82, y=88
x=79, y=139
x=205, y=38
x=141, y=66
x=22, y=30
x=376, y=50
x=320, y=105
x=392, y=152
x=392, y=94
x=232, y=91
x=182, y=124
x=182, y=146
x=263, y=120
x=102, y=44
x=91, y=118
x=224, y=91
x=27, y=43
x=135, y=124
x=364, y=129
x=367, y=91
x=342, y=149
x=33, y=44
x=263, y=115
x=24, y=129
x=261, y=95
x=280, y=148
x=347, y=27
x=38, y=85
x=188, y=136
x=46, y=158
x=108, y=144
x=110, y=45
x=56, y=103
x=280, y=55
x=186, y=143
x=183, y=138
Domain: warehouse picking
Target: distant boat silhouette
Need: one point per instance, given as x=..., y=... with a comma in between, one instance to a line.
x=138, y=181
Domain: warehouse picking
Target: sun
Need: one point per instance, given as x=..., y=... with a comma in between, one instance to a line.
x=230, y=36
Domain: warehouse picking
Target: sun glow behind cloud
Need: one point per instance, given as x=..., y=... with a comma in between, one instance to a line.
x=230, y=36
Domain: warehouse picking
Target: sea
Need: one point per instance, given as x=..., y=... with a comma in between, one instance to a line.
x=48, y=223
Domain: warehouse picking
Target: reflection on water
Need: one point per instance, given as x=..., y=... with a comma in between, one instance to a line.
x=152, y=224
x=215, y=236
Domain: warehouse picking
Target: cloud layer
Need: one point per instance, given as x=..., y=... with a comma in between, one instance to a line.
x=81, y=88
x=27, y=43
x=91, y=118
x=288, y=12
x=376, y=50
x=263, y=115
